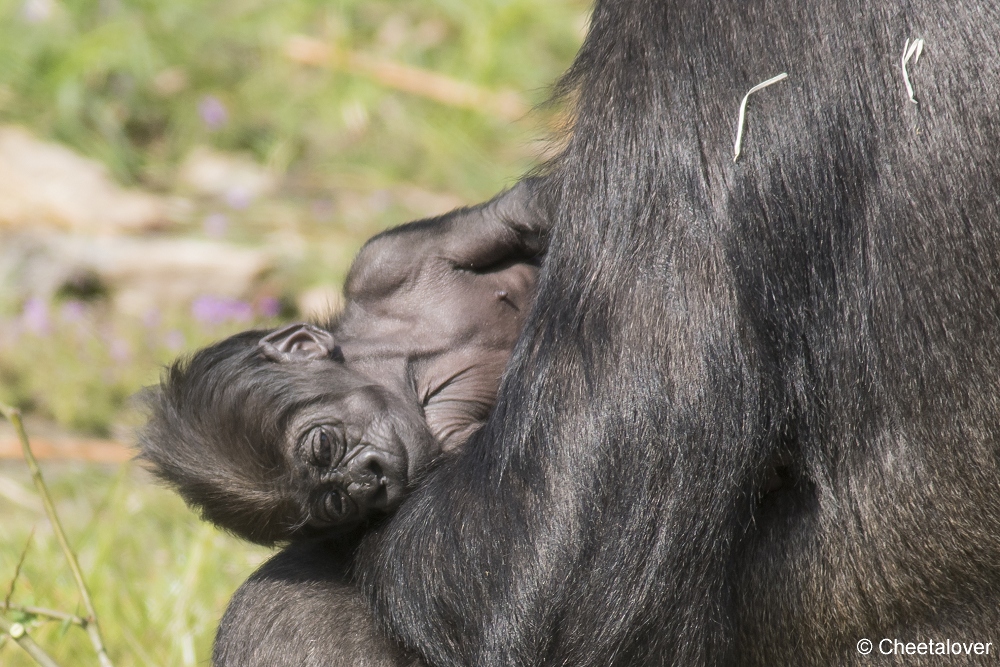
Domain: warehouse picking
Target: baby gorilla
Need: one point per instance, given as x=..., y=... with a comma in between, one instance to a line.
x=307, y=430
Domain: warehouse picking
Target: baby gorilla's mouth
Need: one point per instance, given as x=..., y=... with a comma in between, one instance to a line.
x=367, y=484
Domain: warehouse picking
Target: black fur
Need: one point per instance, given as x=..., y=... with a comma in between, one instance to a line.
x=825, y=311
x=307, y=600
x=196, y=438
x=753, y=415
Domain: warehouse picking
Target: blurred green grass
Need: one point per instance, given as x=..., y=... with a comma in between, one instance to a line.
x=159, y=578
x=127, y=82
x=122, y=80
x=81, y=365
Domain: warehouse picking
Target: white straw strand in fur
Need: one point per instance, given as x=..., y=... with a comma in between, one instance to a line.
x=911, y=51
x=743, y=110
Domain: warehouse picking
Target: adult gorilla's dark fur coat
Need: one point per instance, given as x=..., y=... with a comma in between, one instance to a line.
x=754, y=414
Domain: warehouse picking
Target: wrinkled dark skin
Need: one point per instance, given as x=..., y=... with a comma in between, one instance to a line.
x=429, y=325
x=297, y=432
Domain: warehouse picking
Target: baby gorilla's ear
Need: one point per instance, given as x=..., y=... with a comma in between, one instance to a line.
x=299, y=342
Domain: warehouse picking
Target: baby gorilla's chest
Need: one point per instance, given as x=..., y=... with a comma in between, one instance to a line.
x=480, y=317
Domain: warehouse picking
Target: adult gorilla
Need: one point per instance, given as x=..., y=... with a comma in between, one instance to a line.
x=753, y=416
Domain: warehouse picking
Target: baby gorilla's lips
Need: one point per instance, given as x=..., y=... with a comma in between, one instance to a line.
x=371, y=493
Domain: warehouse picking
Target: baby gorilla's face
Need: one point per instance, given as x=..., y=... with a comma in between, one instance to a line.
x=354, y=452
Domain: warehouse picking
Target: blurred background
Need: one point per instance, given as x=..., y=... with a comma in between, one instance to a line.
x=174, y=171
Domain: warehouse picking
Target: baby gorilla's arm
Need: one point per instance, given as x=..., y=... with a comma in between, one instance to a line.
x=436, y=306
x=513, y=226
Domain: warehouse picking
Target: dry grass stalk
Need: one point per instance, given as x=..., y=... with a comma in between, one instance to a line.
x=72, y=449
x=743, y=109
x=92, y=626
x=19, y=634
x=506, y=105
x=911, y=51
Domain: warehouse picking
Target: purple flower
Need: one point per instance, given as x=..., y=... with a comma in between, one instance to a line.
x=210, y=309
x=269, y=307
x=72, y=312
x=151, y=318
x=120, y=350
x=35, y=316
x=174, y=340
x=238, y=197
x=215, y=225
x=213, y=112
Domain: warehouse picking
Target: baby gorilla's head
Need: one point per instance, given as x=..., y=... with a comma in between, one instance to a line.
x=273, y=437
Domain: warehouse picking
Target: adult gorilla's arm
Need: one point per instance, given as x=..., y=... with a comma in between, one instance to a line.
x=299, y=610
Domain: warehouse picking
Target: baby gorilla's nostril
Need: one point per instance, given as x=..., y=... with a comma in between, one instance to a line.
x=368, y=465
x=380, y=490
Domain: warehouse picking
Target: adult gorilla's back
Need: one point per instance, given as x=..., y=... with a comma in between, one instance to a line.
x=753, y=416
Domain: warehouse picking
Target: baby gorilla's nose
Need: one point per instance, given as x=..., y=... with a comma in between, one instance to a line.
x=369, y=486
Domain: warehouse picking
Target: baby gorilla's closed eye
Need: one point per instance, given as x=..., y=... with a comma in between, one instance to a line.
x=334, y=507
x=325, y=445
